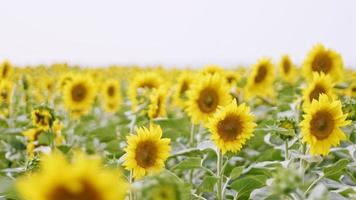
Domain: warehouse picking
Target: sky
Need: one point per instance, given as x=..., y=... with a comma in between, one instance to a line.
x=176, y=33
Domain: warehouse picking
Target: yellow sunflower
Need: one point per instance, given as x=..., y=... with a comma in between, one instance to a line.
x=79, y=94
x=42, y=119
x=351, y=91
x=287, y=69
x=212, y=69
x=260, y=81
x=321, y=84
x=84, y=178
x=146, y=151
x=205, y=95
x=5, y=92
x=232, y=77
x=321, y=59
x=65, y=79
x=157, y=106
x=6, y=70
x=320, y=127
x=142, y=83
x=184, y=82
x=231, y=126
x=111, y=95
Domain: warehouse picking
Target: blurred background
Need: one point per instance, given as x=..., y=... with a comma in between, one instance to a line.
x=173, y=33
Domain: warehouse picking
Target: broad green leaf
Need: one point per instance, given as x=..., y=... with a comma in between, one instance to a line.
x=208, y=184
x=244, y=186
x=236, y=172
x=334, y=171
x=189, y=163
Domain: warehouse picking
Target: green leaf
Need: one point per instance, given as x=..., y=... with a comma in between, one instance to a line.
x=208, y=184
x=236, y=172
x=335, y=170
x=46, y=138
x=246, y=185
x=189, y=163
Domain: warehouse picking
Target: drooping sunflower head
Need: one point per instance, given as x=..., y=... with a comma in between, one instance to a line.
x=141, y=84
x=287, y=69
x=79, y=94
x=146, y=151
x=327, y=61
x=260, y=80
x=157, y=106
x=207, y=93
x=5, y=92
x=6, y=70
x=321, y=125
x=184, y=82
x=42, y=118
x=321, y=84
x=231, y=126
x=111, y=95
x=84, y=178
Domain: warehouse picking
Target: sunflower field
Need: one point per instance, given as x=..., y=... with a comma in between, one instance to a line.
x=273, y=130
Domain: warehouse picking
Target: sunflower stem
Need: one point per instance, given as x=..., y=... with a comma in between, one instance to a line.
x=286, y=150
x=219, y=174
x=192, y=134
x=312, y=184
x=131, y=194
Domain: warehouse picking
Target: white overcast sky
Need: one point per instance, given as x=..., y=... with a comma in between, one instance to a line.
x=173, y=33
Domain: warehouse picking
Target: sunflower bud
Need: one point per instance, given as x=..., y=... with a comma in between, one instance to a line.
x=289, y=125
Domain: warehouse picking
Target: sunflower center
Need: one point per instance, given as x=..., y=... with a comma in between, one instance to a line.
x=79, y=92
x=148, y=85
x=184, y=88
x=261, y=74
x=208, y=100
x=111, y=91
x=322, y=63
x=229, y=128
x=4, y=95
x=316, y=92
x=159, y=102
x=87, y=192
x=146, y=154
x=354, y=89
x=322, y=125
x=286, y=66
x=40, y=119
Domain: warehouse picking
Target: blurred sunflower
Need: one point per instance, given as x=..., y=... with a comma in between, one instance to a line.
x=232, y=77
x=321, y=84
x=320, y=127
x=260, y=81
x=205, y=95
x=184, y=82
x=79, y=94
x=231, y=126
x=6, y=70
x=111, y=95
x=5, y=92
x=42, y=119
x=287, y=69
x=212, y=69
x=84, y=178
x=65, y=79
x=146, y=151
x=351, y=91
x=142, y=83
x=157, y=106
x=321, y=59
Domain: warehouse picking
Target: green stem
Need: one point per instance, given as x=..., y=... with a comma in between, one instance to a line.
x=131, y=194
x=301, y=164
x=286, y=150
x=219, y=175
x=312, y=184
x=192, y=134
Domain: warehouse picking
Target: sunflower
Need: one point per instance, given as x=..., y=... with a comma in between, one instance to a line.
x=65, y=79
x=142, y=83
x=212, y=69
x=185, y=81
x=111, y=95
x=146, y=152
x=157, y=106
x=351, y=91
x=260, y=81
x=321, y=84
x=205, y=95
x=287, y=69
x=6, y=70
x=5, y=92
x=321, y=59
x=42, y=119
x=84, y=178
x=231, y=126
x=232, y=77
x=79, y=94
x=320, y=127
